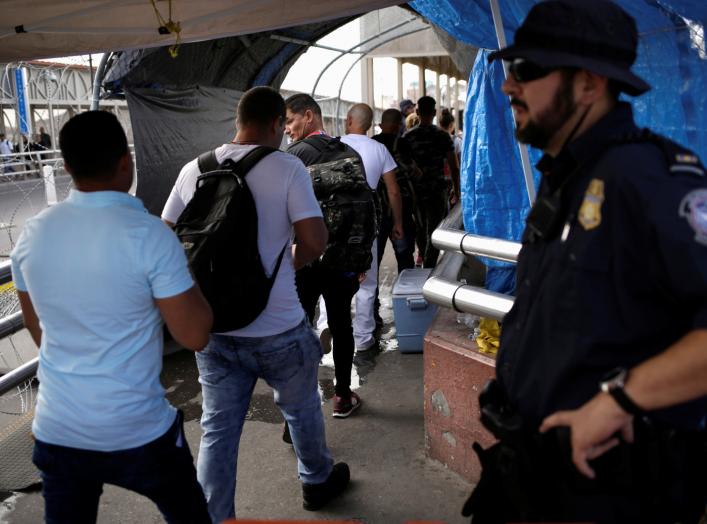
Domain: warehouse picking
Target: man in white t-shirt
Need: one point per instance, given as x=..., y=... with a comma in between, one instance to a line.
x=378, y=163
x=279, y=345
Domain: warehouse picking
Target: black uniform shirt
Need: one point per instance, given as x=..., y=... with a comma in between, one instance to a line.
x=430, y=146
x=400, y=149
x=623, y=277
x=306, y=153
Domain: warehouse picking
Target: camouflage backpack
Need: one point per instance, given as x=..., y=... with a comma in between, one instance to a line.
x=350, y=206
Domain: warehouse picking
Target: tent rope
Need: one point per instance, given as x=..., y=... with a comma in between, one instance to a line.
x=169, y=26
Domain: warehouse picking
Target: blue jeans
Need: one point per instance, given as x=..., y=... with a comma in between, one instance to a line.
x=228, y=369
x=162, y=470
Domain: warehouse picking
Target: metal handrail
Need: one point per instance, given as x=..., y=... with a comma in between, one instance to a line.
x=5, y=272
x=444, y=289
x=468, y=244
x=18, y=375
x=11, y=324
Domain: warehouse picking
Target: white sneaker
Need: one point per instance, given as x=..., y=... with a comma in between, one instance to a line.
x=325, y=340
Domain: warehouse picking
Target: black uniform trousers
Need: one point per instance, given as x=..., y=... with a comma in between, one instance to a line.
x=432, y=208
x=337, y=288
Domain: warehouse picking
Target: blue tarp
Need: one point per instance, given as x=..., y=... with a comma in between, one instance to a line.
x=671, y=57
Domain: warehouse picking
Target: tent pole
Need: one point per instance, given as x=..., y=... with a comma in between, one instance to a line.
x=524, y=158
x=97, y=80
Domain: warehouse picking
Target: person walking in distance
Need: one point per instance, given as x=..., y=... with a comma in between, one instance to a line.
x=380, y=166
x=431, y=147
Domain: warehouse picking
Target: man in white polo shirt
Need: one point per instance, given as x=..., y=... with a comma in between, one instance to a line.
x=96, y=275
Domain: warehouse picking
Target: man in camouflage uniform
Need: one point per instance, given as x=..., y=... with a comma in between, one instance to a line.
x=431, y=147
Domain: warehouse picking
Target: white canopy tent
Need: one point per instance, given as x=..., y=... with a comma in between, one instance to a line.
x=31, y=29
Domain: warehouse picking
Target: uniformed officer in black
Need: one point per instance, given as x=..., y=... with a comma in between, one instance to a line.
x=608, y=333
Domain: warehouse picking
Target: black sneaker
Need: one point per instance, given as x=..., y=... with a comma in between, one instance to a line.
x=316, y=496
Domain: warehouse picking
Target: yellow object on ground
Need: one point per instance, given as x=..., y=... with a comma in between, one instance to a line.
x=489, y=336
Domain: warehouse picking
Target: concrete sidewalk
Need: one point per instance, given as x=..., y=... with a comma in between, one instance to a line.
x=383, y=443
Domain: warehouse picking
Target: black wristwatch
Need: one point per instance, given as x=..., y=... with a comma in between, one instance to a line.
x=613, y=383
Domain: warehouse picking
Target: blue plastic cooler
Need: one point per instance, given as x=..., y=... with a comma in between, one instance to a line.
x=413, y=314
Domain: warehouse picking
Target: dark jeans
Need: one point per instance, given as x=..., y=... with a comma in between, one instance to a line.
x=162, y=470
x=432, y=210
x=338, y=289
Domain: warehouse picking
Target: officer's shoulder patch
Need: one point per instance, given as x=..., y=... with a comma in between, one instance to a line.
x=694, y=209
x=686, y=162
x=680, y=160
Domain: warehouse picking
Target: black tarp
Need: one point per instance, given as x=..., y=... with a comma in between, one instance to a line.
x=183, y=106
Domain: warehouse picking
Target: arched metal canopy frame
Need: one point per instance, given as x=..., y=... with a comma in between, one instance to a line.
x=351, y=50
x=364, y=55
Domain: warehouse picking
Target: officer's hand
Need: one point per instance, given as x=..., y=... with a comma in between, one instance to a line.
x=361, y=278
x=593, y=429
x=397, y=232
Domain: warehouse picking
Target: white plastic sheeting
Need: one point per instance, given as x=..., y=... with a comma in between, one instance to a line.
x=32, y=29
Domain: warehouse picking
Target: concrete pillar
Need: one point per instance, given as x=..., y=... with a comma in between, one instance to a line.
x=400, y=79
x=367, y=95
x=449, y=101
x=438, y=95
x=455, y=99
x=421, y=79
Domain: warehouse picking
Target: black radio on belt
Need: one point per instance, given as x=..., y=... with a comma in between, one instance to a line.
x=545, y=218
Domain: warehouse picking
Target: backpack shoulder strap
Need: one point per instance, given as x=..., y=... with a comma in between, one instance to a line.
x=207, y=162
x=248, y=162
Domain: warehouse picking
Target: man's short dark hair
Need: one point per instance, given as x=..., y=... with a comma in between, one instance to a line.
x=259, y=107
x=300, y=102
x=446, y=119
x=426, y=105
x=391, y=116
x=92, y=144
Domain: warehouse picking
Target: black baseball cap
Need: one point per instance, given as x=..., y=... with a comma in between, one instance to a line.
x=405, y=103
x=596, y=35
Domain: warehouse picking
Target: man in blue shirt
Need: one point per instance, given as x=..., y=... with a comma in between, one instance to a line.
x=96, y=277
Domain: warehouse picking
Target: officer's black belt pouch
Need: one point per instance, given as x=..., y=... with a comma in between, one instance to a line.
x=530, y=477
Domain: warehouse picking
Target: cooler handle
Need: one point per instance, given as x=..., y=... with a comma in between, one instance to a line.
x=417, y=303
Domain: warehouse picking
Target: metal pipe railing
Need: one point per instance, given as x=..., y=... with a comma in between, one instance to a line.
x=463, y=242
x=11, y=324
x=444, y=289
x=18, y=375
x=466, y=299
x=5, y=272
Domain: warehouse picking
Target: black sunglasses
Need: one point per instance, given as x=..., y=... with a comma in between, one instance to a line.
x=523, y=70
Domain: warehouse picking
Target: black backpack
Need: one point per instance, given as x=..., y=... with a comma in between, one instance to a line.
x=350, y=207
x=219, y=232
